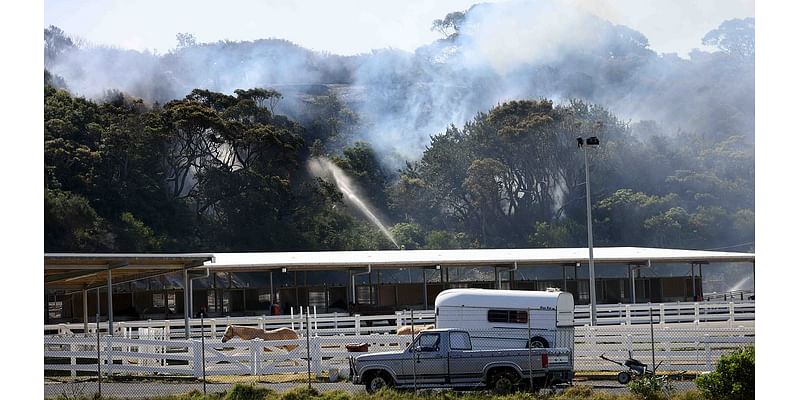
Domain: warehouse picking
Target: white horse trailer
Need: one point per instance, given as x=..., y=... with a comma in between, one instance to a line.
x=509, y=318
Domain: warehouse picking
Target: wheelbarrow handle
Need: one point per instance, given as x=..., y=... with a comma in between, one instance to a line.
x=603, y=356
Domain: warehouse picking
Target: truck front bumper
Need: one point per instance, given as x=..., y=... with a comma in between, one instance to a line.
x=353, y=377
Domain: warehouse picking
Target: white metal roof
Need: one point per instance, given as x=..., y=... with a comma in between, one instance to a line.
x=469, y=257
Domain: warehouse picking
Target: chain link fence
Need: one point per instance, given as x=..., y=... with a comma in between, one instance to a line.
x=147, y=362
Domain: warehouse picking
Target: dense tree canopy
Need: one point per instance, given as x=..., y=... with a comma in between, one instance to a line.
x=222, y=165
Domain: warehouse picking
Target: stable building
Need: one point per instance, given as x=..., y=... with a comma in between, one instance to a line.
x=151, y=286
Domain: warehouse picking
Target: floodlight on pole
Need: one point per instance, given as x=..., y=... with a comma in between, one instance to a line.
x=593, y=142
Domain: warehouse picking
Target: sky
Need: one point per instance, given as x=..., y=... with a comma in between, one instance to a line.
x=349, y=27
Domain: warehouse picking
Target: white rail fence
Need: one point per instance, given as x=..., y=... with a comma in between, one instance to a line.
x=333, y=324
x=693, y=348
x=123, y=356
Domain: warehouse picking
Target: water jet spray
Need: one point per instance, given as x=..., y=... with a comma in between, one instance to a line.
x=324, y=168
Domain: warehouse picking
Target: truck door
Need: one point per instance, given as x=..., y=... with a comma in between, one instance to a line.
x=429, y=359
x=462, y=369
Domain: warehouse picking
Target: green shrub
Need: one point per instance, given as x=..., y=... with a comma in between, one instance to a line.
x=688, y=395
x=650, y=387
x=733, y=379
x=300, y=393
x=248, y=392
x=577, y=392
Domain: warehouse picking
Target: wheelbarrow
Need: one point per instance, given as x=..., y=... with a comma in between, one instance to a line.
x=635, y=368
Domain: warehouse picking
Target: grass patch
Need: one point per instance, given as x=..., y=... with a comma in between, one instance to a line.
x=255, y=392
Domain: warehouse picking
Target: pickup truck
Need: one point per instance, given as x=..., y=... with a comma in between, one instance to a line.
x=443, y=358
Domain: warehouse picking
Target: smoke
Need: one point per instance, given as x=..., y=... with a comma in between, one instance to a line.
x=325, y=169
x=511, y=50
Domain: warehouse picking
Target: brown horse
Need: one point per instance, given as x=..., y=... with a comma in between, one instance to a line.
x=249, y=333
x=409, y=330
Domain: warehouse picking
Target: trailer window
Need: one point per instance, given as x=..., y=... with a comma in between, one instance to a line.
x=508, y=316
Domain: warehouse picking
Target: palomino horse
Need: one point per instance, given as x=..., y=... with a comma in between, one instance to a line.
x=249, y=333
x=409, y=330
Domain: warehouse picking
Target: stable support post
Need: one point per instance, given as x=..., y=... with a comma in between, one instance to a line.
x=694, y=288
x=425, y=287
x=271, y=291
x=701, y=279
x=632, y=275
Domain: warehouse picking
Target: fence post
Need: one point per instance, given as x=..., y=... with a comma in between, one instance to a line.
x=696, y=312
x=398, y=316
x=662, y=314
x=254, y=350
x=415, y=355
x=317, y=354
x=213, y=328
x=335, y=320
x=99, y=375
x=628, y=314
x=197, y=359
x=72, y=371
x=530, y=357
x=731, y=314
x=109, y=355
x=291, y=316
x=308, y=345
x=203, y=350
x=629, y=343
x=358, y=324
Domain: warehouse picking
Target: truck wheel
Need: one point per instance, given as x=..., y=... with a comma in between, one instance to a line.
x=504, y=382
x=377, y=381
x=538, y=342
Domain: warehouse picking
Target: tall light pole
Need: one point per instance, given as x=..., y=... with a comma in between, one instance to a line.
x=593, y=142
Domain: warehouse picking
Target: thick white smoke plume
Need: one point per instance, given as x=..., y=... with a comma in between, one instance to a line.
x=496, y=52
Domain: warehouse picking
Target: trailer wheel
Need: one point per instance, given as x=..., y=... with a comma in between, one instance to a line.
x=378, y=380
x=538, y=342
x=623, y=377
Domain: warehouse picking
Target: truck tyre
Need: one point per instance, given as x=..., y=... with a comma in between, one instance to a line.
x=538, y=342
x=378, y=380
x=503, y=382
